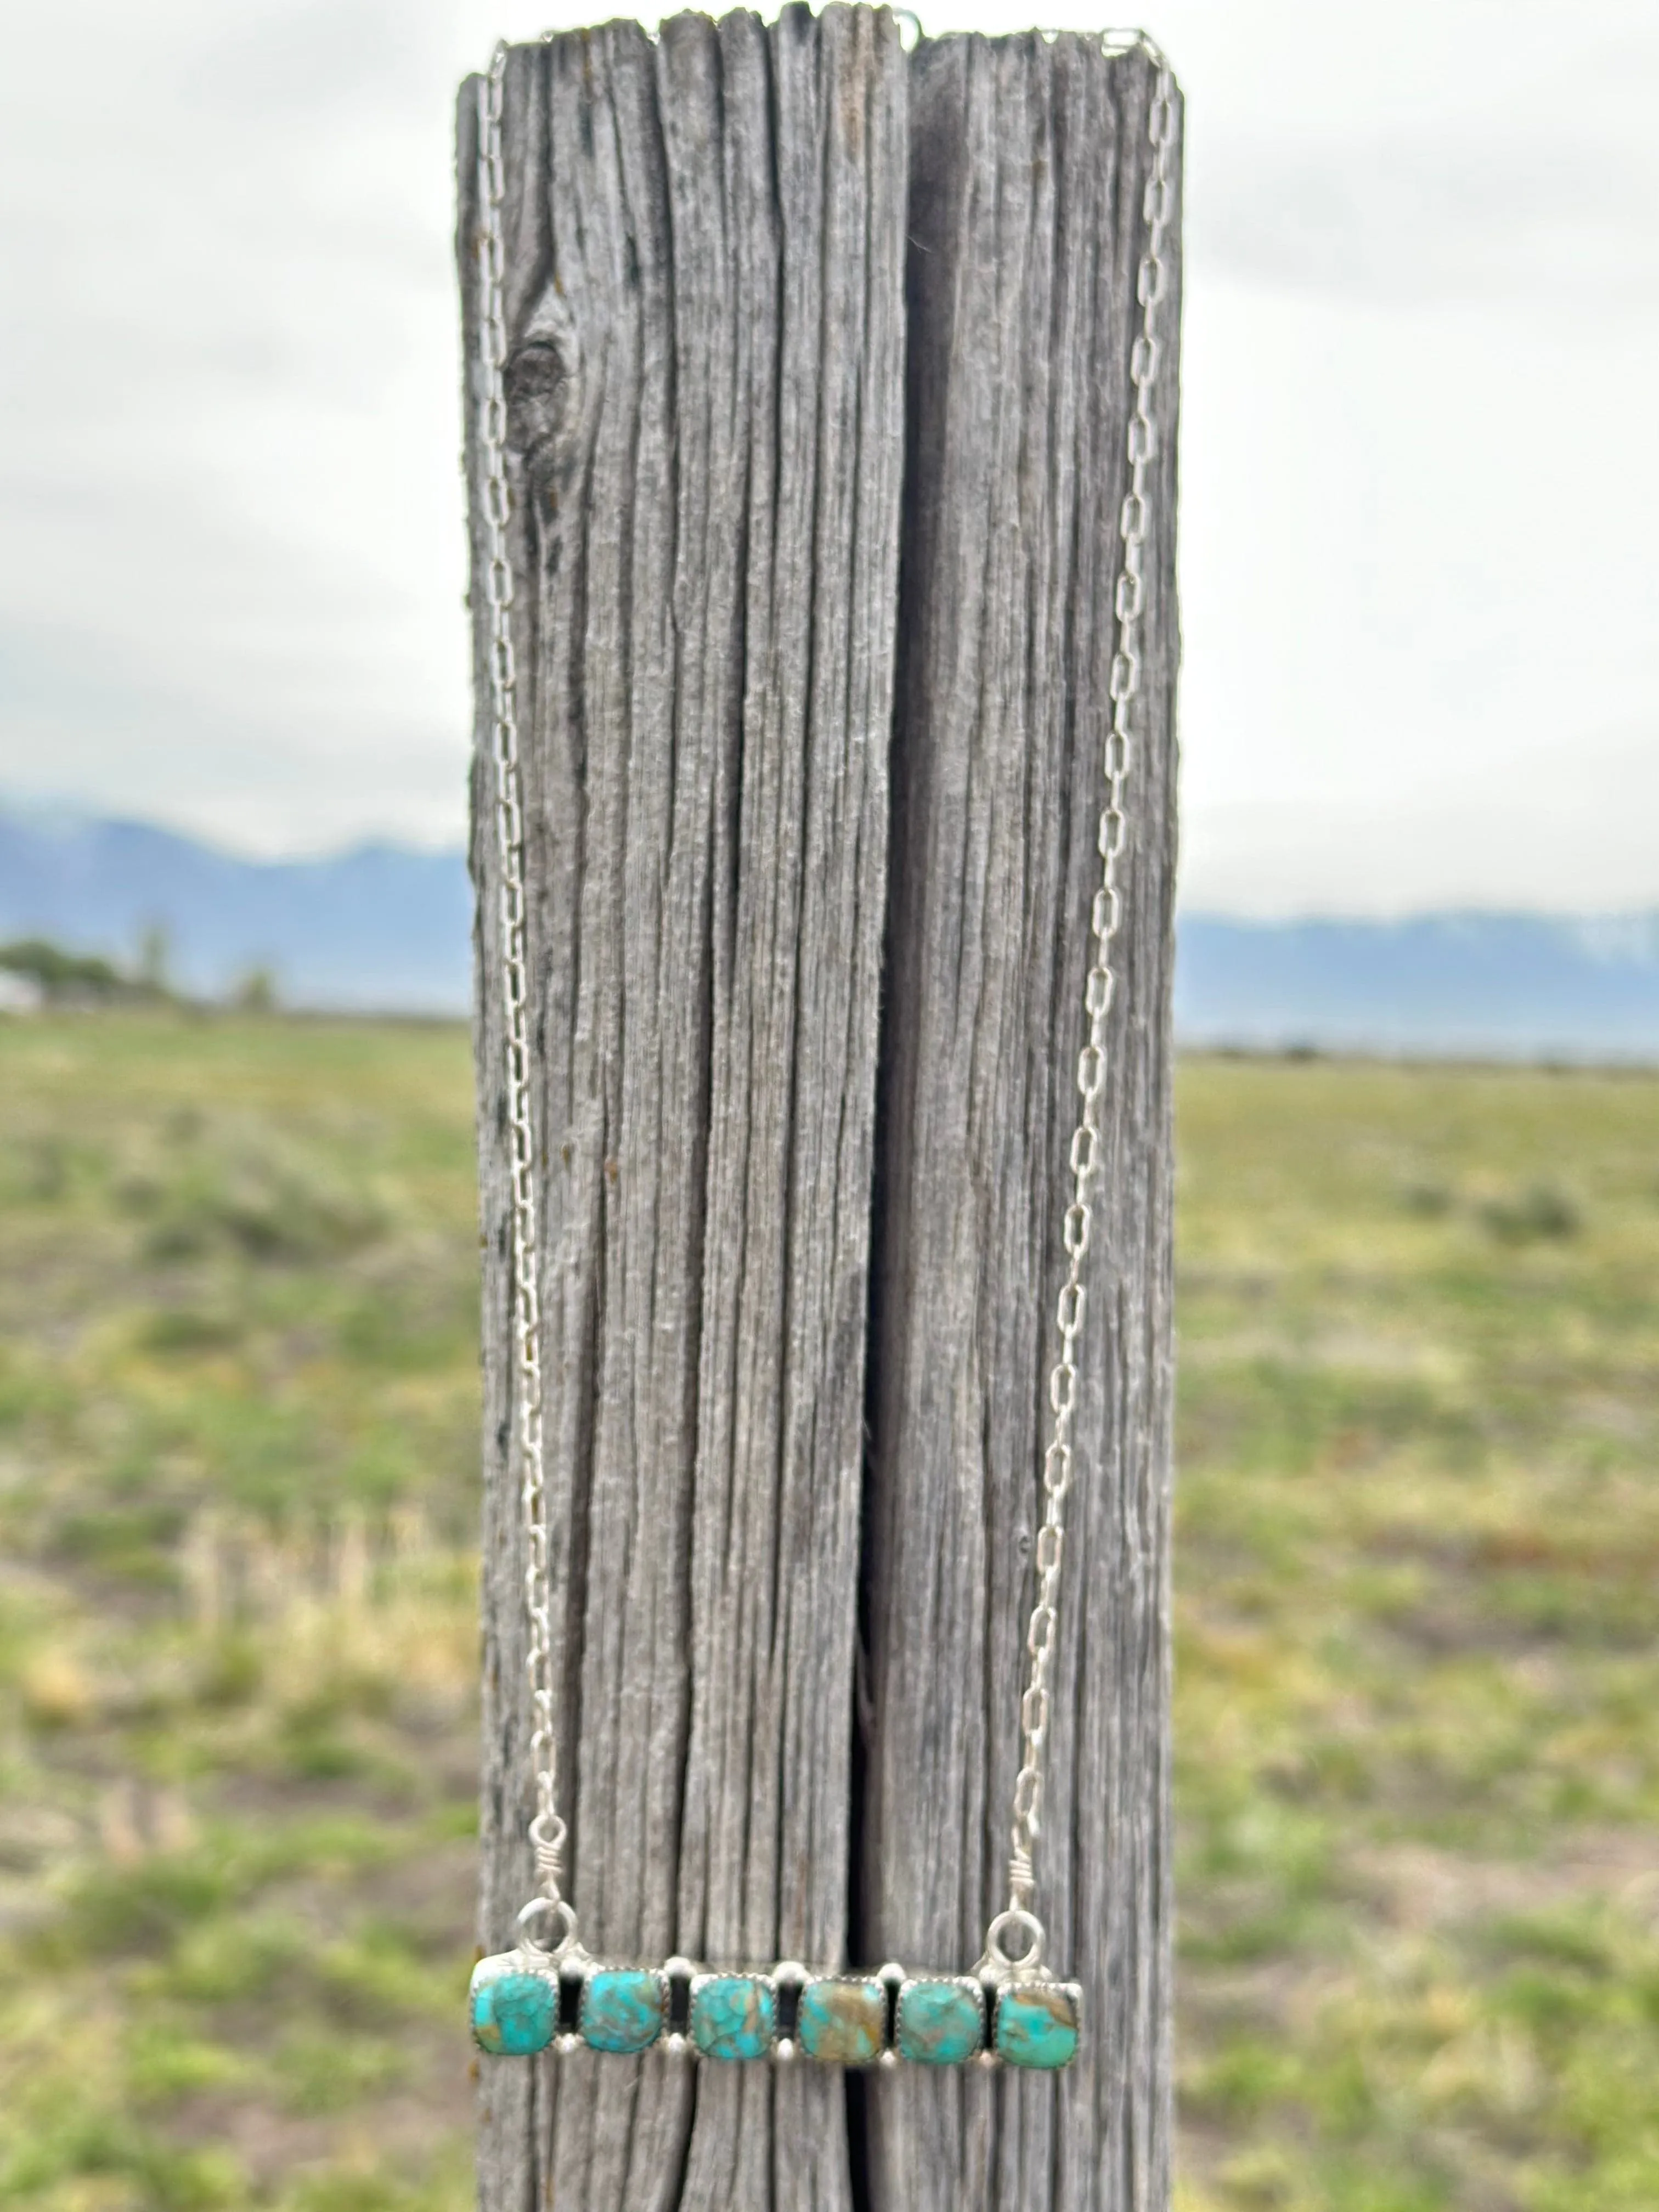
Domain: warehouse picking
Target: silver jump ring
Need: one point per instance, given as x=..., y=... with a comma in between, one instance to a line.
x=535, y=1911
x=996, y=1948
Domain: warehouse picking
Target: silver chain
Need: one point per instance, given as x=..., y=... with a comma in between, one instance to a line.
x=547, y=1829
x=1123, y=685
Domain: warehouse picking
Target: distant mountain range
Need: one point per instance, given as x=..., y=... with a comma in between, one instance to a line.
x=385, y=929
x=379, y=929
x=1502, y=985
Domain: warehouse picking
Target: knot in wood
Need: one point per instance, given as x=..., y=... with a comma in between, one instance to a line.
x=541, y=380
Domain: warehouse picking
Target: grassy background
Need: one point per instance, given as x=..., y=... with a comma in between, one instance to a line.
x=1418, y=1732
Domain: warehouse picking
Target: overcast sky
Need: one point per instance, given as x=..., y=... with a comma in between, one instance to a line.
x=1420, y=457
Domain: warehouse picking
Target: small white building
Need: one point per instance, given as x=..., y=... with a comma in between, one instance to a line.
x=20, y=993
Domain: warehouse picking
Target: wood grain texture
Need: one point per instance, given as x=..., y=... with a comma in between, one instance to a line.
x=1029, y=164
x=706, y=244
x=797, y=1317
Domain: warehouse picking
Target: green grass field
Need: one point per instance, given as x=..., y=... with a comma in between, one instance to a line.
x=1417, y=1689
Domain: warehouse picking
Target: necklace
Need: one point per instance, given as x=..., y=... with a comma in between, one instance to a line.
x=550, y=1992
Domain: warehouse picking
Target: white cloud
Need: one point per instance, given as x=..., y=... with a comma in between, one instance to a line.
x=1418, y=455
x=1415, y=219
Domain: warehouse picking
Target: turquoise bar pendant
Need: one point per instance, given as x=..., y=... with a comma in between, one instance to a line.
x=528, y=2000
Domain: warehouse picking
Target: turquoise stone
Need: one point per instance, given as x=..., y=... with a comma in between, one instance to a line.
x=940, y=2023
x=622, y=2009
x=1036, y=2024
x=842, y=2022
x=513, y=2013
x=734, y=2015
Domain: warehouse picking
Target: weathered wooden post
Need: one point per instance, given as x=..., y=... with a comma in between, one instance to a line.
x=810, y=855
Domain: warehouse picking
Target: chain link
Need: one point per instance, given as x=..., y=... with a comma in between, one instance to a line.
x=1123, y=687
x=547, y=1830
